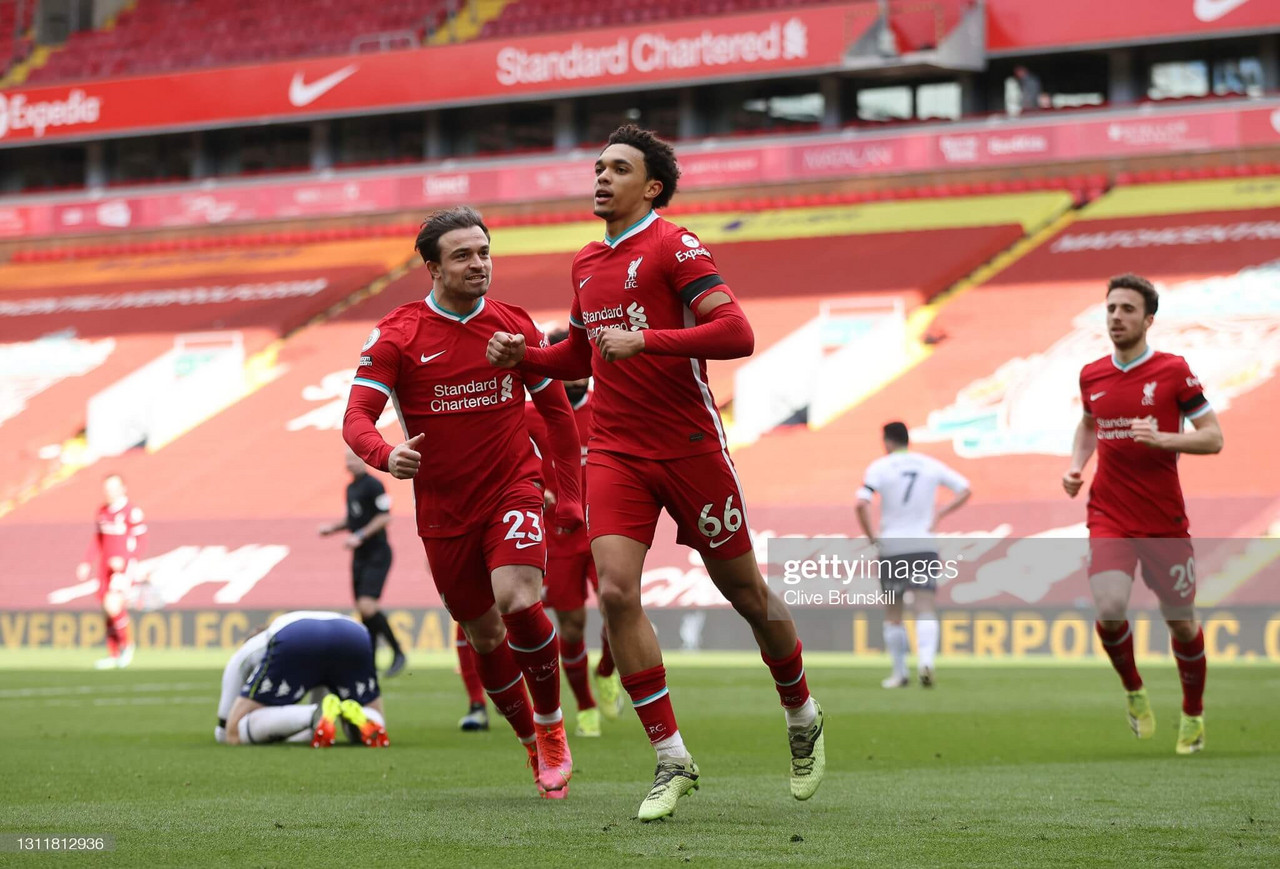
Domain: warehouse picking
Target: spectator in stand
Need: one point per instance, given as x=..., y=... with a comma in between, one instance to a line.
x=1031, y=95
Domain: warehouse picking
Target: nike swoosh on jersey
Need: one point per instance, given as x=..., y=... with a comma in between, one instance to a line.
x=1209, y=11
x=303, y=94
x=1094, y=396
x=583, y=282
x=715, y=544
x=426, y=358
x=527, y=545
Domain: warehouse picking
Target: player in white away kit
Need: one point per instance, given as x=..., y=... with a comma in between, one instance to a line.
x=907, y=484
x=275, y=668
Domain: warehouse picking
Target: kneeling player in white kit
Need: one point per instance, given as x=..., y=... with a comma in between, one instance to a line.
x=907, y=483
x=274, y=669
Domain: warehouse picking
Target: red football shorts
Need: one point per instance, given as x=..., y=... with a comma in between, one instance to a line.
x=1168, y=563
x=625, y=495
x=462, y=566
x=569, y=570
x=108, y=581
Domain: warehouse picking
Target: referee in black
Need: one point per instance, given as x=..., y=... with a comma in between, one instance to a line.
x=368, y=514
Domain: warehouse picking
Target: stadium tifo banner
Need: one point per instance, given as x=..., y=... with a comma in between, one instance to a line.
x=1014, y=142
x=1031, y=24
x=1251, y=634
x=485, y=70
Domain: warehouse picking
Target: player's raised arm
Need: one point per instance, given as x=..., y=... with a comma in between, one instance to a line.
x=1204, y=440
x=722, y=333
x=566, y=450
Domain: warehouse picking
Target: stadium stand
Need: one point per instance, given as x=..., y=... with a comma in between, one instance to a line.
x=72, y=330
x=13, y=44
x=916, y=25
x=156, y=36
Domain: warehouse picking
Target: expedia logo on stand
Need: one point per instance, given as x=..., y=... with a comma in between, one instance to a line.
x=18, y=114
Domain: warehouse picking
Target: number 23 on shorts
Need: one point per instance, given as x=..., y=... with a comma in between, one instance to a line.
x=524, y=539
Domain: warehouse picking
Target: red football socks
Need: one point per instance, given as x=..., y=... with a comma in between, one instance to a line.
x=1192, y=669
x=648, y=690
x=788, y=678
x=467, y=667
x=574, y=661
x=532, y=639
x=1119, y=646
x=605, y=666
x=504, y=683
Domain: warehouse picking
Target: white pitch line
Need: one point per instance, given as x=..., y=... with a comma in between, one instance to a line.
x=127, y=701
x=73, y=690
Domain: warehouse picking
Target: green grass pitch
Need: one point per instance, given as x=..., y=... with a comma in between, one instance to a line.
x=999, y=765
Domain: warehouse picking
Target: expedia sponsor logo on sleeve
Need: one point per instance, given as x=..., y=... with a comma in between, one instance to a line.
x=16, y=113
x=686, y=255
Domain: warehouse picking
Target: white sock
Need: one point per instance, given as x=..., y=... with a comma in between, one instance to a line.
x=895, y=641
x=927, y=640
x=302, y=736
x=274, y=723
x=802, y=716
x=553, y=718
x=671, y=748
x=375, y=716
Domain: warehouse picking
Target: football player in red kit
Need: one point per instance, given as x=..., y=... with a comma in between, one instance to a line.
x=649, y=308
x=118, y=542
x=475, y=474
x=1135, y=401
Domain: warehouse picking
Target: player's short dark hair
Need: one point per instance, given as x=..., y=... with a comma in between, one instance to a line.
x=659, y=159
x=897, y=432
x=440, y=222
x=1140, y=285
x=558, y=334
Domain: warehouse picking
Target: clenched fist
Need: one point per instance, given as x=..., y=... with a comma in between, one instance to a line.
x=505, y=350
x=1071, y=482
x=618, y=344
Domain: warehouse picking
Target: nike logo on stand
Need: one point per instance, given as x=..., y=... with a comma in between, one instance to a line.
x=303, y=94
x=583, y=282
x=426, y=358
x=1209, y=11
x=1094, y=396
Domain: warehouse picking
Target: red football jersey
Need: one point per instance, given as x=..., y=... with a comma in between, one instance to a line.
x=431, y=363
x=538, y=431
x=1136, y=489
x=578, y=541
x=120, y=532
x=649, y=277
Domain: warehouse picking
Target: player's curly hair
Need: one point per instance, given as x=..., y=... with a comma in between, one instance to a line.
x=440, y=222
x=659, y=159
x=1141, y=286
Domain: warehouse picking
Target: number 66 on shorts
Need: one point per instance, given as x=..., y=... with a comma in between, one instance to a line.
x=701, y=493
